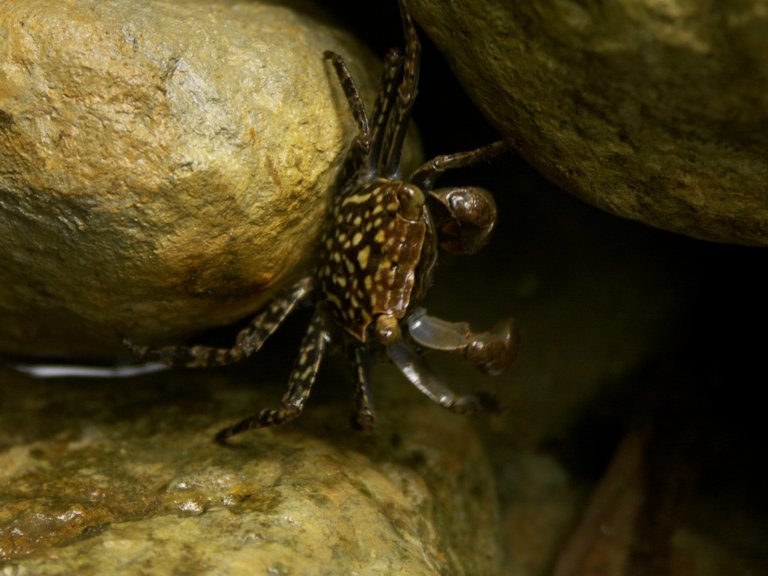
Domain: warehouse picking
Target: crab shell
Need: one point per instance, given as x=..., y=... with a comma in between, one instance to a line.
x=378, y=256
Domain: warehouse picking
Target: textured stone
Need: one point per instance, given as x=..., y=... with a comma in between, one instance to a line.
x=164, y=166
x=654, y=111
x=119, y=483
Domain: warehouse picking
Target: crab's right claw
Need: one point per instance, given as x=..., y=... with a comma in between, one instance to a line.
x=464, y=218
x=493, y=351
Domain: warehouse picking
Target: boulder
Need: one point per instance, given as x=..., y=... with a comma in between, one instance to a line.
x=164, y=167
x=653, y=111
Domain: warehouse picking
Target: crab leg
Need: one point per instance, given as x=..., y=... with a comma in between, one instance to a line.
x=491, y=351
x=351, y=92
x=361, y=145
x=406, y=95
x=247, y=342
x=425, y=175
x=365, y=415
x=416, y=370
x=299, y=384
x=391, y=75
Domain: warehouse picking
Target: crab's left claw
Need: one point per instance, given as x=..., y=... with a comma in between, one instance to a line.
x=491, y=351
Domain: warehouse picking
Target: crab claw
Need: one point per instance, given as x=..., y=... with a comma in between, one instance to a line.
x=491, y=352
x=416, y=370
x=464, y=218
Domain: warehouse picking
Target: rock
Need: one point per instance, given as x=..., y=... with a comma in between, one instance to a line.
x=118, y=483
x=164, y=168
x=653, y=111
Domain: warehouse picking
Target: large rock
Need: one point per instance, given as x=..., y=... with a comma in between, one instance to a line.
x=164, y=166
x=654, y=111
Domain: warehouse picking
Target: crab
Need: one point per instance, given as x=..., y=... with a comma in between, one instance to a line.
x=376, y=262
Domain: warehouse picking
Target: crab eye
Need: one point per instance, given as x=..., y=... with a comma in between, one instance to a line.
x=411, y=200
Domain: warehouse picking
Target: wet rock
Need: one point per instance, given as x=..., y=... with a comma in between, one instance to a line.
x=164, y=168
x=654, y=111
x=118, y=482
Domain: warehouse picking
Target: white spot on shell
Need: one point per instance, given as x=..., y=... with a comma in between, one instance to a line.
x=362, y=257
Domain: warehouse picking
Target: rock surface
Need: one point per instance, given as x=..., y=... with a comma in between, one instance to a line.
x=654, y=111
x=121, y=482
x=164, y=167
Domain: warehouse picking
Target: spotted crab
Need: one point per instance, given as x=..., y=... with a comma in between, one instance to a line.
x=377, y=258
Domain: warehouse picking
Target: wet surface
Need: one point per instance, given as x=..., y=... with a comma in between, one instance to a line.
x=132, y=474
